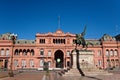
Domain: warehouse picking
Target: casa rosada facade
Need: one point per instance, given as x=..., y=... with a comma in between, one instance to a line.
x=53, y=48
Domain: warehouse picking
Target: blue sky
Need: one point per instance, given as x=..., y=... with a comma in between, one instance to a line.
x=27, y=17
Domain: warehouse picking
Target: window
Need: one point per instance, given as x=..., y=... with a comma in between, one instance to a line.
x=7, y=52
x=32, y=52
x=42, y=41
x=16, y=52
x=54, y=41
x=25, y=42
x=15, y=63
x=59, y=41
x=31, y=63
x=41, y=62
x=49, y=53
x=68, y=53
x=99, y=52
x=117, y=62
x=33, y=42
x=24, y=52
x=111, y=53
x=49, y=63
x=23, y=63
x=2, y=52
x=107, y=53
x=41, y=52
x=115, y=53
x=74, y=41
x=113, y=62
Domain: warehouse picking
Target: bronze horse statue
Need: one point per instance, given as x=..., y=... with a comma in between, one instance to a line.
x=80, y=39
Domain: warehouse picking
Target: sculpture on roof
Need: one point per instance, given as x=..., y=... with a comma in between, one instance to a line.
x=107, y=37
x=80, y=39
x=6, y=36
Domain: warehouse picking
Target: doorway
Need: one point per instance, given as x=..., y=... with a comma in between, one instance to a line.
x=59, y=59
x=6, y=64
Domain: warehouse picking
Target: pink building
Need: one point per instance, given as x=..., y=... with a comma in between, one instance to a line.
x=53, y=48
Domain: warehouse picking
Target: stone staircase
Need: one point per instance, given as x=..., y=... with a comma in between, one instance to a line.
x=72, y=72
x=93, y=72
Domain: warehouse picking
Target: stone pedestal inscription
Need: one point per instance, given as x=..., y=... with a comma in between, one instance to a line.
x=86, y=60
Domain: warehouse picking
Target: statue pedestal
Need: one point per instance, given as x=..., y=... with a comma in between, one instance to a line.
x=86, y=63
x=74, y=71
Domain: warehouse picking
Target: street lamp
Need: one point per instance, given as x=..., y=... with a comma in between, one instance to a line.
x=13, y=38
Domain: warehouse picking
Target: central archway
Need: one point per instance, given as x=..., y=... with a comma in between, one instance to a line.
x=59, y=59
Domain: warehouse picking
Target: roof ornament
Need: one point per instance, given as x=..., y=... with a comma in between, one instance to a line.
x=7, y=36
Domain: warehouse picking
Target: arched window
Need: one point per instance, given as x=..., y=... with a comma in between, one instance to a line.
x=111, y=53
x=64, y=41
x=24, y=52
x=115, y=53
x=54, y=41
x=31, y=63
x=49, y=53
x=68, y=53
x=42, y=52
x=2, y=52
x=117, y=62
x=7, y=52
x=107, y=52
x=16, y=52
x=58, y=41
x=20, y=52
x=112, y=63
x=28, y=51
x=41, y=62
x=15, y=63
x=23, y=63
x=32, y=52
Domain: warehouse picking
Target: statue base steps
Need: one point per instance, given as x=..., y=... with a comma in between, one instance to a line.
x=72, y=72
x=75, y=72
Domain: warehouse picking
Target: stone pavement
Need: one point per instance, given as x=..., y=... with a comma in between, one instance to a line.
x=55, y=76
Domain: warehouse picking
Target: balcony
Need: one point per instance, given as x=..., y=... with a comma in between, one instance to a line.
x=68, y=56
x=44, y=56
x=4, y=56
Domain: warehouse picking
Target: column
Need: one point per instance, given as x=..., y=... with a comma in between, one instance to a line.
x=74, y=59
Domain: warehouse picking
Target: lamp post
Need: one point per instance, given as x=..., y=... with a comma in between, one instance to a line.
x=13, y=38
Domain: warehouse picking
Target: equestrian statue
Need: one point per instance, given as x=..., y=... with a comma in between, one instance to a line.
x=80, y=39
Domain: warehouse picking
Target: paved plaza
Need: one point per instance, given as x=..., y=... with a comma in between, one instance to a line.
x=40, y=75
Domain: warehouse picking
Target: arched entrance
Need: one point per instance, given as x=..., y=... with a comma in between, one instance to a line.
x=59, y=59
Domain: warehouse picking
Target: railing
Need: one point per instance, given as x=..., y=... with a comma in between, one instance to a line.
x=43, y=56
x=4, y=55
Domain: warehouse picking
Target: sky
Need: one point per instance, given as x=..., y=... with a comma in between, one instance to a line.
x=28, y=17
